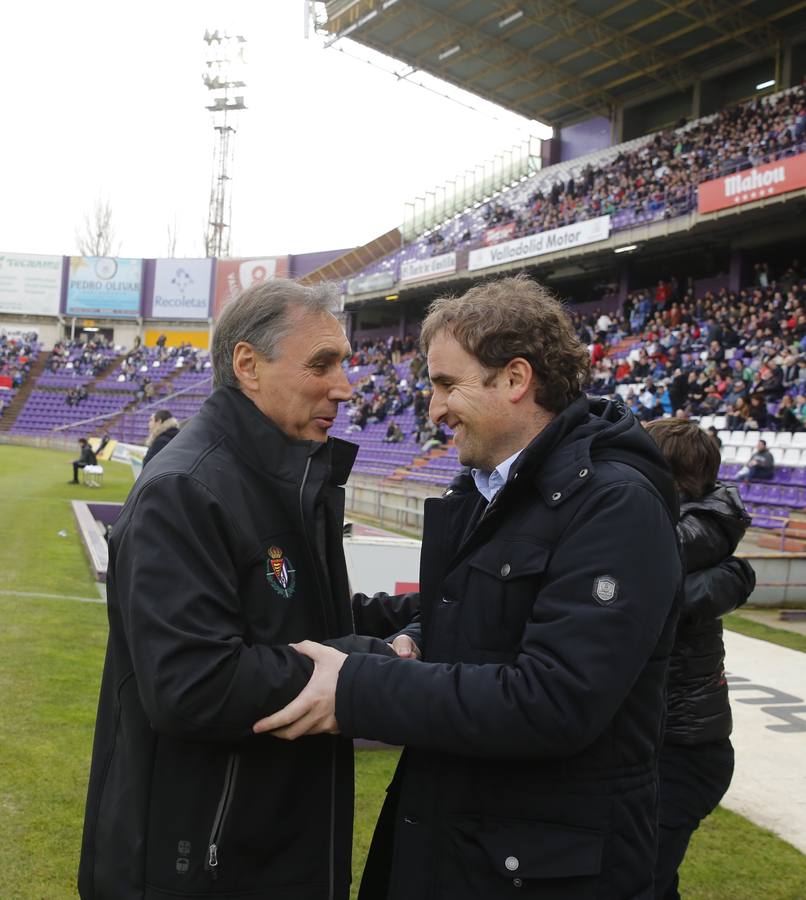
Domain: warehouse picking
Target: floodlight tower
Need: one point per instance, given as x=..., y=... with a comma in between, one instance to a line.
x=222, y=74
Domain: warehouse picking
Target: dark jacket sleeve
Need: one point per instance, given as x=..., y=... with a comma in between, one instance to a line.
x=384, y=614
x=176, y=584
x=716, y=591
x=578, y=657
x=704, y=541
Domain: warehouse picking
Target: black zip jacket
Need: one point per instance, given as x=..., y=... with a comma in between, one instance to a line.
x=534, y=718
x=716, y=583
x=213, y=570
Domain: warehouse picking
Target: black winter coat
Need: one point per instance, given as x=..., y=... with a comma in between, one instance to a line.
x=213, y=570
x=716, y=583
x=533, y=721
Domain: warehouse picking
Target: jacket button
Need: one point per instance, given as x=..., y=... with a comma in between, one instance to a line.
x=556, y=495
x=583, y=473
x=512, y=863
x=517, y=882
x=505, y=570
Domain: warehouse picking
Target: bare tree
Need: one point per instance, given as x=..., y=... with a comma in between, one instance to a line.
x=97, y=235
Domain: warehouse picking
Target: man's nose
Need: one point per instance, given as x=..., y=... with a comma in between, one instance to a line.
x=342, y=390
x=436, y=409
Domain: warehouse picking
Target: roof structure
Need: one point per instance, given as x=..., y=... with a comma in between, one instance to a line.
x=560, y=61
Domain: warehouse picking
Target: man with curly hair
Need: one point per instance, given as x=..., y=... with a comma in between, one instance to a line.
x=529, y=691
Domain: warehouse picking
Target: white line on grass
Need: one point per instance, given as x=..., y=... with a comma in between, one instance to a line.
x=51, y=596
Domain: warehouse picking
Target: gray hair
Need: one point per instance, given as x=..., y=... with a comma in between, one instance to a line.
x=262, y=316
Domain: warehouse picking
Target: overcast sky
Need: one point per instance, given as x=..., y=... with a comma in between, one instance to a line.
x=105, y=99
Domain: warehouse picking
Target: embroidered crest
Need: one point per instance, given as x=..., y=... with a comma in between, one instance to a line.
x=605, y=589
x=280, y=573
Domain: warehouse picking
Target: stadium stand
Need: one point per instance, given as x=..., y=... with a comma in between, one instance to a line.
x=636, y=182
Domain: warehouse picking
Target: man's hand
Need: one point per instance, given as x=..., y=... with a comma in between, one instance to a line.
x=313, y=710
x=405, y=647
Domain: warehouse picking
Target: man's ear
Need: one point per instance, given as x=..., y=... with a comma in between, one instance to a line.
x=519, y=376
x=244, y=366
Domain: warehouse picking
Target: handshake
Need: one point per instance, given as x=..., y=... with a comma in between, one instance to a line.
x=313, y=710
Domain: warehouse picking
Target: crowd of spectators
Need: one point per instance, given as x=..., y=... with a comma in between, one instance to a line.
x=79, y=357
x=724, y=353
x=16, y=356
x=383, y=391
x=660, y=175
x=139, y=363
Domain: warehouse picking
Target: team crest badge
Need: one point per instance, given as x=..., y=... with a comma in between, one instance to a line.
x=280, y=573
x=605, y=589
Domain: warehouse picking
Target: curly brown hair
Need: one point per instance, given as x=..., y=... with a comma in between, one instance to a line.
x=498, y=321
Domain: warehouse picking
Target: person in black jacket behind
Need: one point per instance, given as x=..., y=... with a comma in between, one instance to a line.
x=228, y=549
x=162, y=429
x=86, y=457
x=696, y=761
x=530, y=690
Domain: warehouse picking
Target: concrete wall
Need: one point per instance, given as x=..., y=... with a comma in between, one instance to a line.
x=47, y=329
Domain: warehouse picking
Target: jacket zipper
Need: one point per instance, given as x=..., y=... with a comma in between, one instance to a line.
x=230, y=776
x=314, y=558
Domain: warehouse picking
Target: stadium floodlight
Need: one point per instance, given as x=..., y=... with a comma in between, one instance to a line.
x=449, y=52
x=765, y=84
x=510, y=19
x=627, y=248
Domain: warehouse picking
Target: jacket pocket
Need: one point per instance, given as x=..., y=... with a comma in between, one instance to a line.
x=503, y=583
x=192, y=790
x=211, y=863
x=538, y=859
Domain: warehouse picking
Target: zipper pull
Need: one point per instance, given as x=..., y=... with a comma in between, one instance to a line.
x=212, y=860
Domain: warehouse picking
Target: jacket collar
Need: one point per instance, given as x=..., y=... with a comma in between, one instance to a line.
x=562, y=457
x=263, y=446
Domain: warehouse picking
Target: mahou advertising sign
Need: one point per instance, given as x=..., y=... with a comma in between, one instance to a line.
x=757, y=183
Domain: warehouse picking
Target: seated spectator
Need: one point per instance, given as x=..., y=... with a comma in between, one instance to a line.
x=760, y=466
x=72, y=397
x=86, y=458
x=393, y=434
x=758, y=415
x=715, y=435
x=432, y=436
x=786, y=418
x=162, y=429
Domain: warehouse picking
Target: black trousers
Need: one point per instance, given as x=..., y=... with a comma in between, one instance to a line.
x=76, y=466
x=692, y=782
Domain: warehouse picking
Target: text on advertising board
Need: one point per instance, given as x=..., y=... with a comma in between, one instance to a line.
x=757, y=183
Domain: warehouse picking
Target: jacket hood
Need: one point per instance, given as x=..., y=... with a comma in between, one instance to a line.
x=723, y=506
x=161, y=428
x=563, y=456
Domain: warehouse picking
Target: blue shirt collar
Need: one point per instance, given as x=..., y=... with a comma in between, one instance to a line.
x=490, y=483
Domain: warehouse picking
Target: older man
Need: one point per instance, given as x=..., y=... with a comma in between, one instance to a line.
x=228, y=548
x=549, y=575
